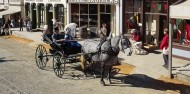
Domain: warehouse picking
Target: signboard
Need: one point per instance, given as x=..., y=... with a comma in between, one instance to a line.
x=94, y=1
x=30, y=0
x=39, y=0
x=14, y=2
x=54, y=0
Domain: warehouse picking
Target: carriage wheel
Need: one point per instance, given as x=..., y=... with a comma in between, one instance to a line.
x=41, y=56
x=59, y=64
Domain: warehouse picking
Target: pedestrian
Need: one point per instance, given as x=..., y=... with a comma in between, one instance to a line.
x=12, y=23
x=26, y=21
x=29, y=25
x=21, y=24
x=6, y=28
x=3, y=20
x=165, y=48
x=103, y=35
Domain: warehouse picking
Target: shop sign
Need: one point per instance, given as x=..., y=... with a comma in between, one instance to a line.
x=94, y=1
x=14, y=2
x=54, y=0
x=30, y=0
x=39, y=0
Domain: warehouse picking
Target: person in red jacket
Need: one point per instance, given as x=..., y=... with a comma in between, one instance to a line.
x=165, y=48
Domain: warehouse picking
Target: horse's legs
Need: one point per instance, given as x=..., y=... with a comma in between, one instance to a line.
x=109, y=72
x=83, y=65
x=93, y=69
x=102, y=74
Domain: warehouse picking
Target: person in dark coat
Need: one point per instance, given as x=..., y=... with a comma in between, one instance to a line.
x=21, y=24
x=165, y=48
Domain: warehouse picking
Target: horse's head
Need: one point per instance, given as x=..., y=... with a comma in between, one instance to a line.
x=125, y=45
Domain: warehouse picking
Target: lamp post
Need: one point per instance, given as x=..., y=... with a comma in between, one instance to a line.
x=170, y=43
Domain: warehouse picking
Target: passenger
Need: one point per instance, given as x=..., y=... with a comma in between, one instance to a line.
x=46, y=32
x=57, y=37
x=68, y=35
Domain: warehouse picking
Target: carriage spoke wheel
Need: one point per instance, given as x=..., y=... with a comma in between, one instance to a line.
x=59, y=64
x=41, y=56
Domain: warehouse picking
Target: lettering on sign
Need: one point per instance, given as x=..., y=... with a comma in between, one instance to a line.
x=54, y=0
x=39, y=0
x=30, y=0
x=94, y=1
x=14, y=0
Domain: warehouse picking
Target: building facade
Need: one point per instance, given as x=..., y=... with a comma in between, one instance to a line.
x=92, y=13
x=13, y=10
x=149, y=17
x=180, y=28
x=43, y=12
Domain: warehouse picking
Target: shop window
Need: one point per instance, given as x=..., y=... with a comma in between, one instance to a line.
x=132, y=15
x=181, y=32
x=75, y=8
x=50, y=8
x=84, y=14
x=84, y=8
x=60, y=13
x=93, y=9
x=102, y=8
x=105, y=8
x=42, y=15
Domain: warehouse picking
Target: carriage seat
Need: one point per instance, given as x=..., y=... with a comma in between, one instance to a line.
x=47, y=38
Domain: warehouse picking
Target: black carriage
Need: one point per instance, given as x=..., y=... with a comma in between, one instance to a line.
x=61, y=53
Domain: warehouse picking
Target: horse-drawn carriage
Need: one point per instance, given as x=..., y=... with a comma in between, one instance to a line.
x=107, y=55
x=60, y=53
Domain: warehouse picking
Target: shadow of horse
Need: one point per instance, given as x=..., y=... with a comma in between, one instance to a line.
x=144, y=81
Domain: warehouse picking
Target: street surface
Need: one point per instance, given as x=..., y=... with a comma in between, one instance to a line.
x=20, y=75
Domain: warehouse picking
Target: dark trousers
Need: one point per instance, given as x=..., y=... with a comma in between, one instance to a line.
x=21, y=28
x=165, y=57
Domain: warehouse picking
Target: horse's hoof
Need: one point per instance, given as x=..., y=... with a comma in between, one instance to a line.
x=110, y=82
x=103, y=83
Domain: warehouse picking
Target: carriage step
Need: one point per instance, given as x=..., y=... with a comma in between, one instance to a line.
x=74, y=55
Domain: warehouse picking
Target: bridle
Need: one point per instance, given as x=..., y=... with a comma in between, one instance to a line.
x=115, y=50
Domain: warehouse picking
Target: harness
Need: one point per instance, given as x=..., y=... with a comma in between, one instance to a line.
x=113, y=51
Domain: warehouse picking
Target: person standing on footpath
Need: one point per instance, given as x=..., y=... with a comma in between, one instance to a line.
x=165, y=48
x=21, y=24
x=103, y=37
x=6, y=27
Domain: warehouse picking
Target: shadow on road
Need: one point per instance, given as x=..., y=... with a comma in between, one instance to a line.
x=2, y=60
x=144, y=81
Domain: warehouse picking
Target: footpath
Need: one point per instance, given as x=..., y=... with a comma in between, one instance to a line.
x=146, y=68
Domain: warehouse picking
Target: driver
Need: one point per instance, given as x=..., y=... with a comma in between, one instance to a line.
x=57, y=37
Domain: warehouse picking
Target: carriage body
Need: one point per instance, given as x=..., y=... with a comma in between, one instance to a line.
x=61, y=53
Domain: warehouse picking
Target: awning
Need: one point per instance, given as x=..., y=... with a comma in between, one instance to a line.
x=11, y=10
x=180, y=11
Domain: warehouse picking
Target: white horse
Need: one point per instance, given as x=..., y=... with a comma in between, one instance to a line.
x=107, y=56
